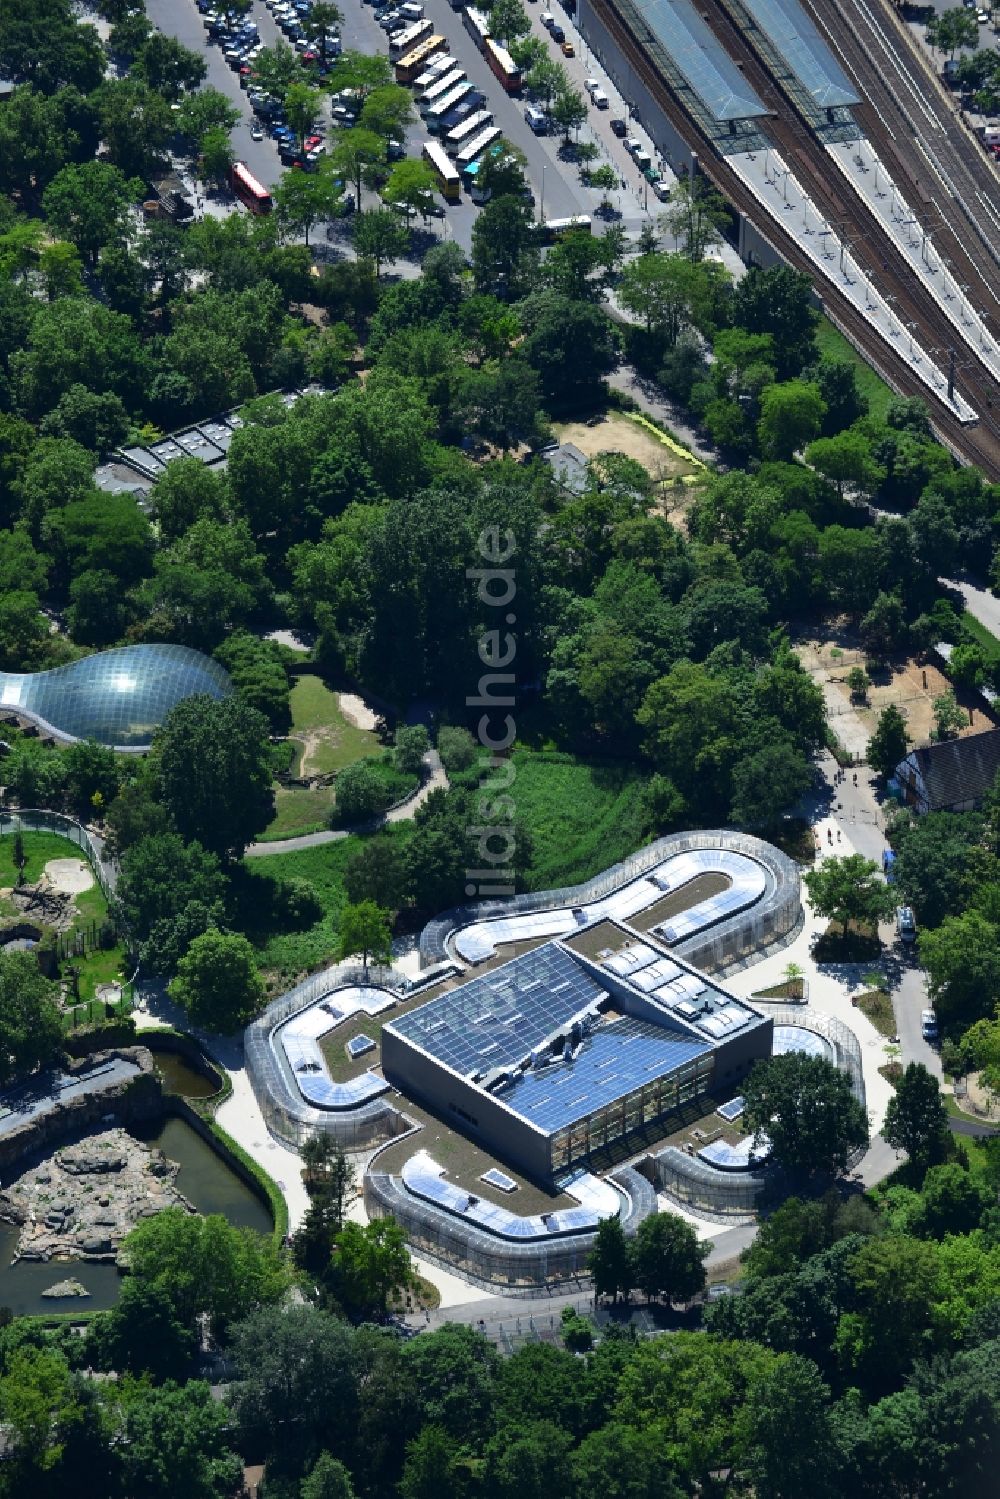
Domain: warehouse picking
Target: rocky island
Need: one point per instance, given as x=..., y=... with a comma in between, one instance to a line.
x=80, y=1203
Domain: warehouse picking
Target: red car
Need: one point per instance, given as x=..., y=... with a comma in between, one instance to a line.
x=312, y=141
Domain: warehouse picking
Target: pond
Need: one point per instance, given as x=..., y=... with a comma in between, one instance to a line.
x=180, y=1077
x=205, y=1180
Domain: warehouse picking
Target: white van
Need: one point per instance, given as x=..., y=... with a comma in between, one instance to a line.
x=600, y=99
x=412, y=10
x=538, y=122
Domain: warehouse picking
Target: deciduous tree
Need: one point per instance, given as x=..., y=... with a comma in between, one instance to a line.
x=807, y=1110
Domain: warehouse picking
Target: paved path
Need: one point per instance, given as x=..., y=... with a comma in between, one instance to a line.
x=436, y=778
x=981, y=604
x=654, y=402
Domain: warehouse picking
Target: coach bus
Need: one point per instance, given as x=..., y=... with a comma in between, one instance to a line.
x=503, y=66
x=435, y=69
x=446, y=173
x=554, y=229
x=477, y=25
x=439, y=88
x=413, y=63
x=467, y=130
x=477, y=146
x=405, y=42
x=250, y=192
x=435, y=117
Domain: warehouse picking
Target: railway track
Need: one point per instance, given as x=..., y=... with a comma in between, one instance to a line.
x=979, y=444
x=876, y=251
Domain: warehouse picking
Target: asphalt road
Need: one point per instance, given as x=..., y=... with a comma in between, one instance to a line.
x=981, y=604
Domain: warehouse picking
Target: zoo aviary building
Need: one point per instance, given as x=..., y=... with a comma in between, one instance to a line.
x=118, y=697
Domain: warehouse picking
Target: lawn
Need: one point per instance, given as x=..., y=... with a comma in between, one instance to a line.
x=328, y=740
x=298, y=810
x=288, y=955
x=833, y=345
x=582, y=816
x=97, y=966
x=323, y=740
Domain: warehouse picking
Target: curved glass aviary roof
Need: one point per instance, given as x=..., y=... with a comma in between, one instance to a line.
x=118, y=697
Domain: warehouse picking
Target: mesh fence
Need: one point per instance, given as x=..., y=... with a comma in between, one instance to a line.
x=31, y=821
x=775, y=914
x=486, y=1259
x=288, y=1115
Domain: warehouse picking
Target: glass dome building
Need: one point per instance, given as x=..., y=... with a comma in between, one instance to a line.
x=118, y=697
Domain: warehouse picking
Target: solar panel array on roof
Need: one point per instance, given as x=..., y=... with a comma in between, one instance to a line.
x=795, y=37
x=689, y=996
x=495, y=1020
x=422, y=1176
x=739, y=1157
x=617, y=1058
x=709, y=70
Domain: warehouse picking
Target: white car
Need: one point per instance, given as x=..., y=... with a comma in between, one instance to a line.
x=600, y=99
x=633, y=144
x=983, y=17
x=592, y=85
x=547, y=19
x=256, y=133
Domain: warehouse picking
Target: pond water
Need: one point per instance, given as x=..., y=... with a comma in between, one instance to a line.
x=206, y=1182
x=180, y=1077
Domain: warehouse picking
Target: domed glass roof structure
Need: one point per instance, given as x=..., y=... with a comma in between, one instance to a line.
x=118, y=697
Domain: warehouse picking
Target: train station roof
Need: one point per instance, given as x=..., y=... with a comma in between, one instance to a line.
x=795, y=37
x=696, y=53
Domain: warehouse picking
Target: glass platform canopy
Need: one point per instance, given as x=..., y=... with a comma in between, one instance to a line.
x=118, y=697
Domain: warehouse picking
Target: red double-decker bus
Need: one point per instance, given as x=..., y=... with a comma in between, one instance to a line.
x=249, y=191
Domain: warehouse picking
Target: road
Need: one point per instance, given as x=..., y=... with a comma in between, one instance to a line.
x=981, y=604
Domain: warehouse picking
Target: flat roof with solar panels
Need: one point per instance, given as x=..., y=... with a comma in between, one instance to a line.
x=559, y=1052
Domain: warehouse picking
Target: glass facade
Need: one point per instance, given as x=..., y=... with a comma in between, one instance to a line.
x=118, y=697
x=626, y=1115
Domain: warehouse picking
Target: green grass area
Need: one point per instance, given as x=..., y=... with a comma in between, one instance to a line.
x=976, y=633
x=288, y=954
x=582, y=816
x=833, y=345
x=298, y=811
x=98, y=965
x=316, y=712
x=877, y=1005
x=322, y=740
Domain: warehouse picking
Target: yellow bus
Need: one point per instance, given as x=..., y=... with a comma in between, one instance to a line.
x=446, y=173
x=412, y=65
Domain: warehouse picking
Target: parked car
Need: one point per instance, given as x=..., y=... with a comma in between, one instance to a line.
x=395, y=151
x=557, y=34
x=568, y=50
x=633, y=144
x=928, y=1025
x=600, y=98
x=618, y=127
x=906, y=924
x=547, y=19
